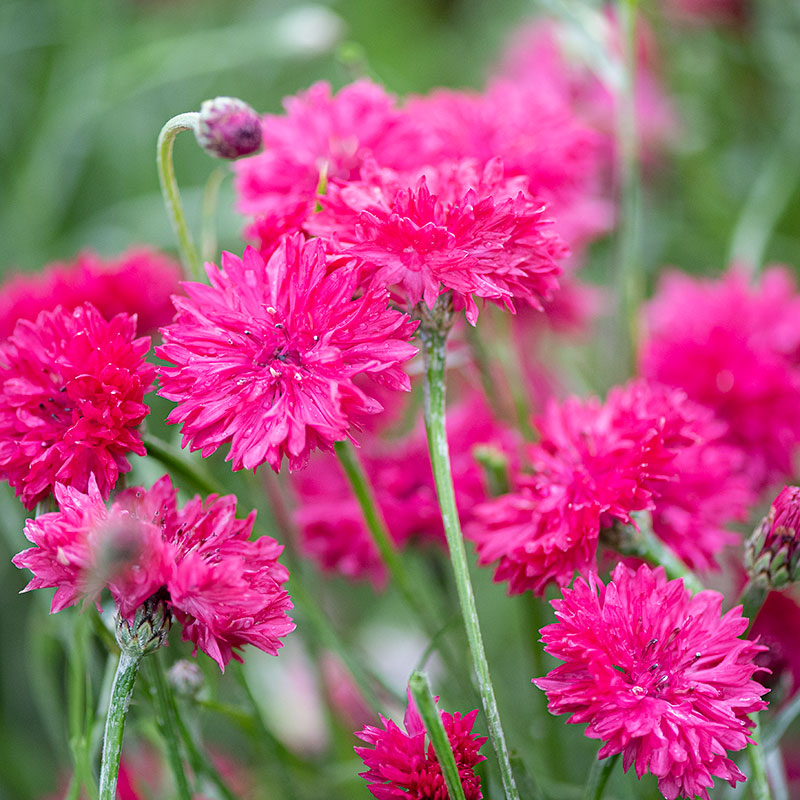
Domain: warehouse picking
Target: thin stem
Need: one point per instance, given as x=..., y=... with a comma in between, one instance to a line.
x=171, y=193
x=177, y=463
x=598, y=777
x=432, y=719
x=781, y=722
x=208, y=230
x=121, y=692
x=751, y=599
x=433, y=347
x=166, y=720
x=630, y=237
x=759, y=784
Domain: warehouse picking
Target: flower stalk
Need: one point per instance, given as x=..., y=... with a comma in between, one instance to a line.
x=433, y=333
x=598, y=777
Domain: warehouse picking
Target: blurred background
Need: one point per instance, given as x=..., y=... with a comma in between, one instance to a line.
x=85, y=86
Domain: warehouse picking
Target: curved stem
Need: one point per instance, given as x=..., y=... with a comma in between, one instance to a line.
x=171, y=193
x=598, y=777
x=433, y=348
x=167, y=722
x=432, y=719
x=121, y=692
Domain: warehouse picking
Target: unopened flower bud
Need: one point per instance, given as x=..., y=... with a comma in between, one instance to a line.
x=228, y=128
x=773, y=550
x=149, y=628
x=186, y=678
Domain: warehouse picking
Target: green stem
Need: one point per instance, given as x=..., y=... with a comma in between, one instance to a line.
x=759, y=784
x=598, y=777
x=751, y=599
x=121, y=692
x=431, y=718
x=176, y=462
x=208, y=230
x=166, y=720
x=171, y=193
x=630, y=238
x=780, y=724
x=433, y=346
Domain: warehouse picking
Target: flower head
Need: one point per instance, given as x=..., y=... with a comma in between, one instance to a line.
x=457, y=227
x=401, y=764
x=773, y=551
x=140, y=282
x=265, y=357
x=228, y=128
x=658, y=675
x=224, y=589
x=72, y=388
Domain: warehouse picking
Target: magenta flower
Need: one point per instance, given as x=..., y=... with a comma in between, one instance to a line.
x=736, y=349
x=596, y=464
x=658, y=675
x=72, y=389
x=225, y=590
x=458, y=227
x=140, y=282
x=402, y=765
x=265, y=357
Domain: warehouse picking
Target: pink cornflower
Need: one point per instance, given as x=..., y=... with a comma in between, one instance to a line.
x=457, y=227
x=140, y=282
x=72, y=388
x=225, y=590
x=597, y=463
x=736, y=349
x=402, y=765
x=659, y=675
x=320, y=137
x=266, y=355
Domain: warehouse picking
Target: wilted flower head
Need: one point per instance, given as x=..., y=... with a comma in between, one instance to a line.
x=658, y=675
x=773, y=551
x=265, y=357
x=140, y=282
x=228, y=128
x=72, y=388
x=457, y=227
x=597, y=463
x=225, y=590
x=402, y=765
x=735, y=348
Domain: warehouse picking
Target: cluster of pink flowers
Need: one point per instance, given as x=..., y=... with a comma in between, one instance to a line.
x=72, y=388
x=225, y=590
x=657, y=674
x=595, y=465
x=736, y=349
x=266, y=355
x=401, y=764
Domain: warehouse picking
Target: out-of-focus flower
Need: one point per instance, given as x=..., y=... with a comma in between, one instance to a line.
x=457, y=227
x=331, y=523
x=658, y=675
x=777, y=628
x=596, y=464
x=401, y=764
x=228, y=128
x=265, y=357
x=140, y=282
x=225, y=590
x=714, y=12
x=773, y=551
x=736, y=349
x=72, y=388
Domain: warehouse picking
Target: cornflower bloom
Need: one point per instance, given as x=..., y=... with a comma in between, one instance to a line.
x=456, y=227
x=659, y=675
x=597, y=463
x=266, y=355
x=225, y=590
x=401, y=765
x=72, y=388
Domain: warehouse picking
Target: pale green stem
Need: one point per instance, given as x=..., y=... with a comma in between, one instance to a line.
x=751, y=599
x=432, y=720
x=177, y=463
x=759, y=785
x=208, y=230
x=630, y=236
x=167, y=722
x=433, y=347
x=780, y=724
x=171, y=193
x=598, y=777
x=121, y=692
